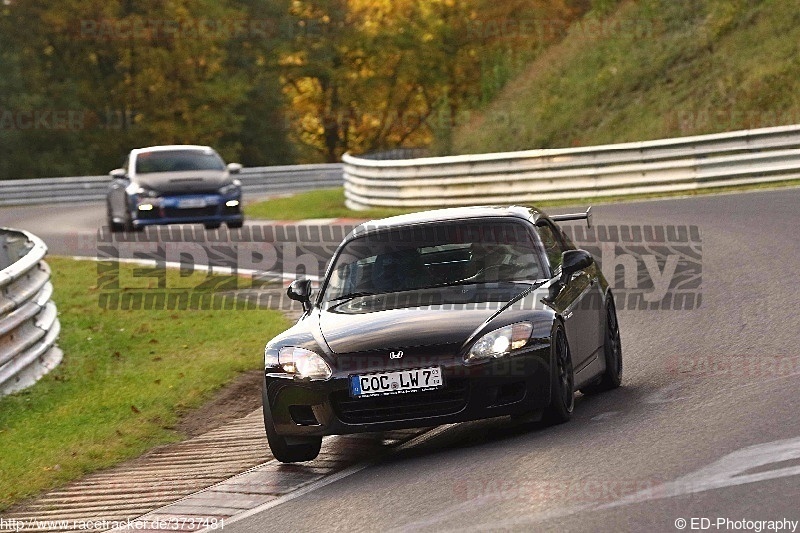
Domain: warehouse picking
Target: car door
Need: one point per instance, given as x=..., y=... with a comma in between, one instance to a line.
x=593, y=302
x=576, y=298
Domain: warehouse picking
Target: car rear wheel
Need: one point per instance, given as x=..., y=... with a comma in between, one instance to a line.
x=612, y=348
x=235, y=225
x=562, y=381
x=211, y=225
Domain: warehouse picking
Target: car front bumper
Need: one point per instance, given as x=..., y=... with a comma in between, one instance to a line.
x=208, y=209
x=510, y=385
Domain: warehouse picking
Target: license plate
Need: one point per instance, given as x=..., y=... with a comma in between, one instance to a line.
x=398, y=382
x=189, y=203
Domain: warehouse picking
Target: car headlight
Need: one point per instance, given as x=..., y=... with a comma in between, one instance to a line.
x=142, y=192
x=301, y=362
x=231, y=188
x=501, y=341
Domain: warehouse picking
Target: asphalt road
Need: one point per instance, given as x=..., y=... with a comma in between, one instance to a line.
x=67, y=229
x=706, y=425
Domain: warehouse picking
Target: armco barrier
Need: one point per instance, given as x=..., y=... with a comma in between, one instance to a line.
x=680, y=164
x=28, y=323
x=256, y=180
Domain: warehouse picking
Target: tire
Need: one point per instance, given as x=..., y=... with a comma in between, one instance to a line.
x=562, y=381
x=129, y=224
x=113, y=227
x=211, y=225
x=612, y=349
x=293, y=450
x=235, y=225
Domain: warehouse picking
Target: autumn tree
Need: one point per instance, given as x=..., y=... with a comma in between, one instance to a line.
x=264, y=132
x=138, y=73
x=263, y=82
x=366, y=75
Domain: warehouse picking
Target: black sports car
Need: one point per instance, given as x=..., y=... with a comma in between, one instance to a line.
x=440, y=317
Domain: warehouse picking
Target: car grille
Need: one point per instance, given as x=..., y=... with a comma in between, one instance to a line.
x=174, y=212
x=446, y=401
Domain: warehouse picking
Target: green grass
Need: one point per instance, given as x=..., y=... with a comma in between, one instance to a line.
x=125, y=379
x=323, y=203
x=651, y=69
x=308, y=205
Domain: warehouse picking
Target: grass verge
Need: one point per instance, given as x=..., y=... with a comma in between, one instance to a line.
x=329, y=203
x=322, y=203
x=125, y=379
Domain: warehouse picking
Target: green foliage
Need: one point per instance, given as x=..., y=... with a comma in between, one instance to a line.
x=263, y=82
x=647, y=70
x=132, y=75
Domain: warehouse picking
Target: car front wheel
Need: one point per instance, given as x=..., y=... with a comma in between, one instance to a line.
x=292, y=449
x=129, y=224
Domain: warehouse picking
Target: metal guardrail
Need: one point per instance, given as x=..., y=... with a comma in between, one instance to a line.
x=255, y=181
x=28, y=323
x=679, y=164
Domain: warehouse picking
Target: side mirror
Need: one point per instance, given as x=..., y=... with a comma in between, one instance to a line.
x=118, y=174
x=573, y=261
x=234, y=168
x=300, y=290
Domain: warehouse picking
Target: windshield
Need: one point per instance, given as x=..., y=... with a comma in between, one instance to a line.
x=177, y=161
x=427, y=256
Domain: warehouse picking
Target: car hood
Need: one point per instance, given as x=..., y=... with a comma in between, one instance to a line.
x=185, y=181
x=388, y=322
x=398, y=328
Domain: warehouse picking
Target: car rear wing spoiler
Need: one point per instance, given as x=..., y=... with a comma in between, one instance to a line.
x=587, y=216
